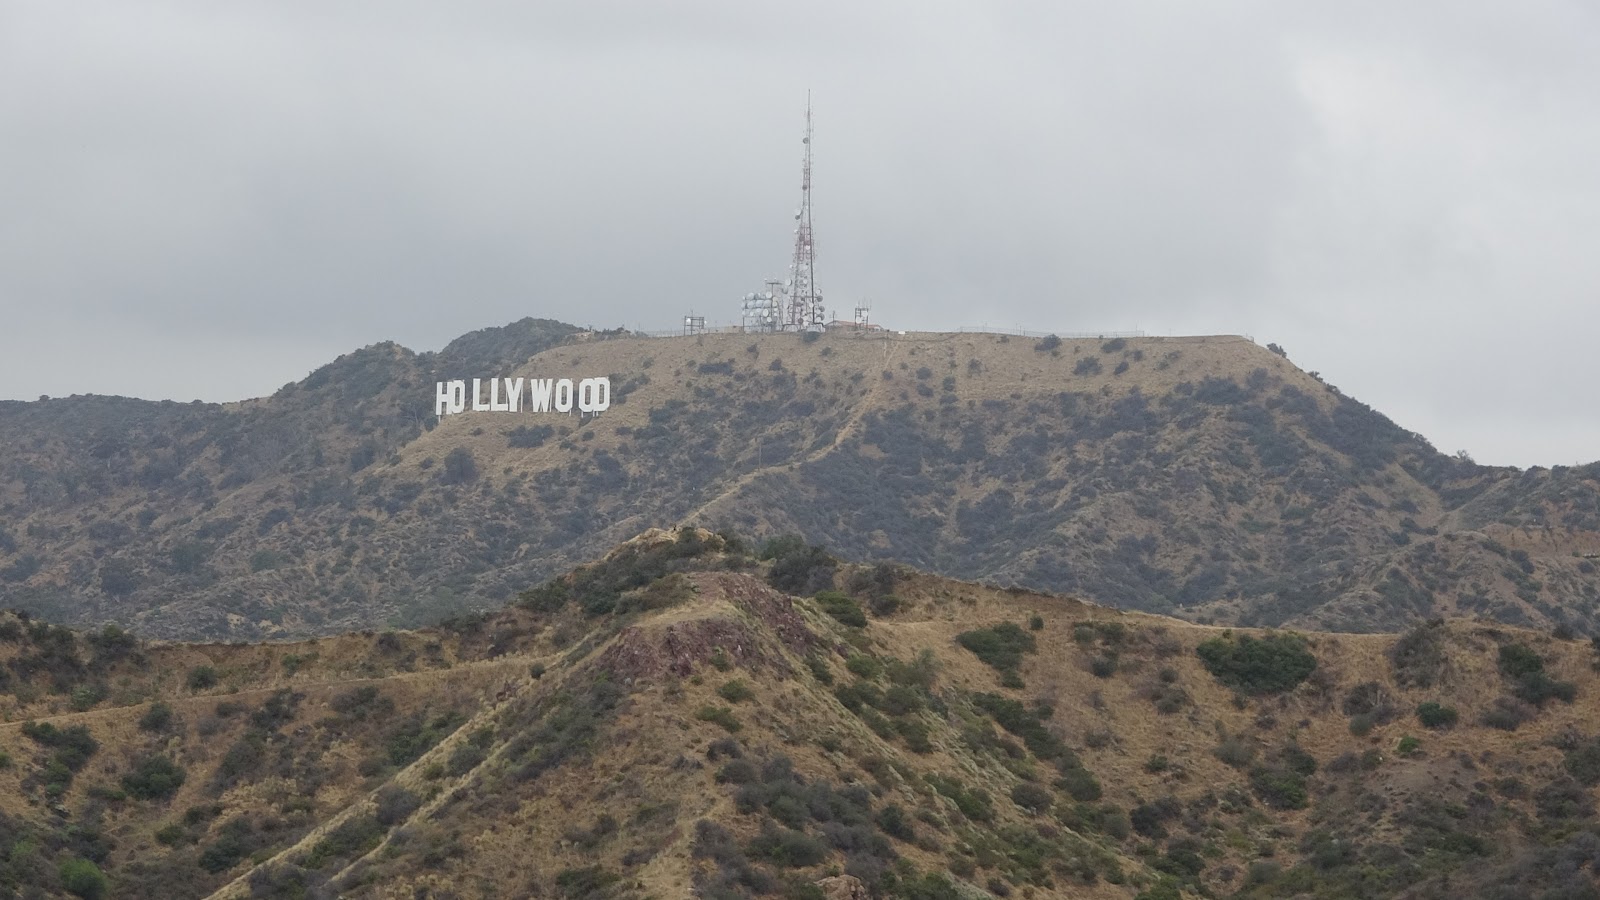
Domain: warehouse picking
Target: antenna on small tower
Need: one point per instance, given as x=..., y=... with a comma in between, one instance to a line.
x=804, y=312
x=863, y=313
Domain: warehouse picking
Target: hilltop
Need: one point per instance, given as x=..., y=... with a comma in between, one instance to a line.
x=672, y=720
x=1202, y=477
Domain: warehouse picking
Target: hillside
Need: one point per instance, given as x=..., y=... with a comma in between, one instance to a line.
x=1201, y=477
x=671, y=721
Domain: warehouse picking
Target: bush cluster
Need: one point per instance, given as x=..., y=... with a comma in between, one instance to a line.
x=154, y=777
x=840, y=606
x=1001, y=646
x=1433, y=714
x=1524, y=669
x=797, y=567
x=71, y=748
x=1266, y=665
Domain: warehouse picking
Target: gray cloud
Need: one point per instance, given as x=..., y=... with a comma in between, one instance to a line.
x=205, y=201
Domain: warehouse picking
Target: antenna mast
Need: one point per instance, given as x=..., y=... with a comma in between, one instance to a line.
x=805, y=312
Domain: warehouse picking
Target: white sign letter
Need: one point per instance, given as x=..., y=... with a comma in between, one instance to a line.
x=458, y=396
x=495, y=405
x=539, y=394
x=564, y=395
x=477, y=396
x=441, y=398
x=594, y=395
x=514, y=394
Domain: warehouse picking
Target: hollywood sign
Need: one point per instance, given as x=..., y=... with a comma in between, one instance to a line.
x=562, y=395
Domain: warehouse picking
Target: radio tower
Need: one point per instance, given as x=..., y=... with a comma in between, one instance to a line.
x=805, y=312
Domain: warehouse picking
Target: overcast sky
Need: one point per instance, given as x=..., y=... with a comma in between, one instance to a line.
x=211, y=199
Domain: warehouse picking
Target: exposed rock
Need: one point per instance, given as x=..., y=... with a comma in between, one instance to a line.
x=772, y=608
x=648, y=651
x=844, y=887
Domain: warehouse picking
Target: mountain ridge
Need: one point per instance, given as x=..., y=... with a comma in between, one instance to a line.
x=1205, y=477
x=672, y=720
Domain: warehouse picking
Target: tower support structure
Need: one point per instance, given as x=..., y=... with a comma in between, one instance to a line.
x=803, y=310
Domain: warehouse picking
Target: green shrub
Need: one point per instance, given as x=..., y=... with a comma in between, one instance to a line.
x=1235, y=752
x=1080, y=783
x=916, y=735
x=798, y=568
x=863, y=666
x=585, y=883
x=1418, y=656
x=918, y=673
x=350, y=839
x=1165, y=889
x=157, y=718
x=735, y=691
x=72, y=747
x=900, y=700
x=395, y=805
x=1518, y=660
x=721, y=715
x=1032, y=797
x=83, y=878
x=737, y=771
x=975, y=803
x=1036, y=623
x=1507, y=714
x=459, y=467
x=885, y=605
x=1537, y=688
x=1270, y=664
x=201, y=678
x=842, y=607
x=819, y=669
x=1278, y=787
x=1103, y=666
x=1001, y=646
x=85, y=696
x=1371, y=699
x=1583, y=762
x=465, y=758
x=1408, y=746
x=1028, y=725
x=417, y=734
x=1436, y=715
x=234, y=842
x=1297, y=760
x=362, y=703
x=154, y=777
x=787, y=847
x=893, y=821
x=1147, y=819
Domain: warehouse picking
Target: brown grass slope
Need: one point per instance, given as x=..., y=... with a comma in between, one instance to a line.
x=666, y=723
x=1204, y=477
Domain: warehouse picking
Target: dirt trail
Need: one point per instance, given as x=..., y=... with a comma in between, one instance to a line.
x=92, y=715
x=868, y=402
x=410, y=777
